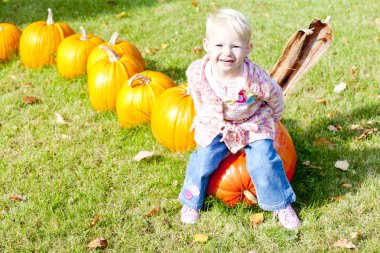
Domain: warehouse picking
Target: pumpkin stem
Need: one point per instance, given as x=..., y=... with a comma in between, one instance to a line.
x=84, y=34
x=140, y=78
x=49, y=20
x=113, y=39
x=249, y=195
x=113, y=57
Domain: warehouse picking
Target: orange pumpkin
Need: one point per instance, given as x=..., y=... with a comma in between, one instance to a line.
x=9, y=40
x=73, y=52
x=119, y=46
x=39, y=41
x=106, y=78
x=172, y=116
x=136, y=97
x=231, y=182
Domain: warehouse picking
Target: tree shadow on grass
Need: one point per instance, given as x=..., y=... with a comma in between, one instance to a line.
x=320, y=183
x=25, y=11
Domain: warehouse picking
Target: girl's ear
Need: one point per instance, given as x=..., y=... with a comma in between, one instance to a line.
x=249, y=48
x=205, y=44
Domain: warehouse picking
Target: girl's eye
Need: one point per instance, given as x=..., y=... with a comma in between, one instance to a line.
x=236, y=46
x=219, y=45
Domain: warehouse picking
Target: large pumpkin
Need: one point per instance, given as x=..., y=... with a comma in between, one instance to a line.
x=119, y=46
x=9, y=40
x=39, y=41
x=172, y=116
x=136, y=97
x=231, y=182
x=106, y=77
x=73, y=52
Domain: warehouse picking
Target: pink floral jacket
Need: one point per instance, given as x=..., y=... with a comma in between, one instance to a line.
x=257, y=124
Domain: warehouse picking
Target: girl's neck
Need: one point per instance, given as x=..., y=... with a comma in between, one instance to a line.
x=226, y=78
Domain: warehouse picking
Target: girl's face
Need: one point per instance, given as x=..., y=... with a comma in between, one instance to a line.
x=226, y=49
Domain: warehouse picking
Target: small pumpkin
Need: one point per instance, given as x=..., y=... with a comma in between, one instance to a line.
x=136, y=97
x=172, y=116
x=9, y=40
x=119, y=46
x=39, y=41
x=73, y=52
x=106, y=78
x=231, y=182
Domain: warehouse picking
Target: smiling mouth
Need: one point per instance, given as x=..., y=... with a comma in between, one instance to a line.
x=227, y=61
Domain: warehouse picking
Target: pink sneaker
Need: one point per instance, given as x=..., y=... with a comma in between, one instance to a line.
x=287, y=217
x=189, y=216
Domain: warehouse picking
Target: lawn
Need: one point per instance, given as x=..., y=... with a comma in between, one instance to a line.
x=73, y=172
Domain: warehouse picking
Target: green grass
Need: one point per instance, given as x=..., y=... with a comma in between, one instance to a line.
x=71, y=173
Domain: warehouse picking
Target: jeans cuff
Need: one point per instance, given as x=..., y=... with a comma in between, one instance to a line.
x=190, y=205
x=290, y=200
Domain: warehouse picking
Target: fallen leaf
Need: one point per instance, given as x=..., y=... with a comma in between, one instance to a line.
x=356, y=127
x=175, y=182
x=338, y=198
x=306, y=163
x=142, y=155
x=152, y=212
x=340, y=87
x=99, y=242
x=194, y=3
x=120, y=15
x=60, y=119
x=28, y=84
x=371, y=122
x=347, y=186
x=94, y=221
x=321, y=101
x=332, y=128
x=256, y=219
x=366, y=133
x=17, y=197
x=197, y=50
x=356, y=235
x=111, y=1
x=13, y=77
x=343, y=165
x=377, y=22
x=353, y=72
x=324, y=142
x=29, y=100
x=344, y=243
x=200, y=238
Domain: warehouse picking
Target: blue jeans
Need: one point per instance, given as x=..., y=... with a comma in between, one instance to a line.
x=264, y=165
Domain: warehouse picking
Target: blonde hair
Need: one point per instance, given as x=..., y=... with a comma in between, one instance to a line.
x=231, y=18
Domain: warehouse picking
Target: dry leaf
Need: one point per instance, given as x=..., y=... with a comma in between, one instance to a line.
x=152, y=212
x=200, y=238
x=321, y=101
x=197, y=50
x=28, y=85
x=324, y=142
x=338, y=198
x=256, y=219
x=164, y=45
x=94, y=221
x=13, y=77
x=344, y=243
x=366, y=133
x=99, y=242
x=343, y=165
x=340, y=87
x=356, y=235
x=377, y=22
x=29, y=100
x=194, y=3
x=111, y=1
x=175, y=182
x=120, y=15
x=332, y=128
x=353, y=72
x=347, y=186
x=60, y=119
x=356, y=127
x=18, y=198
x=142, y=155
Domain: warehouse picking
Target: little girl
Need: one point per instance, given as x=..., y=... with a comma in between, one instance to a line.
x=237, y=105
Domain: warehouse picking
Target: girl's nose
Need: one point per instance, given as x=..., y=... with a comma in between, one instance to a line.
x=226, y=51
